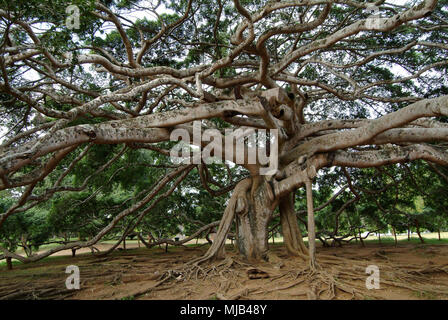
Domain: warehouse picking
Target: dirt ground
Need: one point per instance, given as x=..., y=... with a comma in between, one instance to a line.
x=406, y=272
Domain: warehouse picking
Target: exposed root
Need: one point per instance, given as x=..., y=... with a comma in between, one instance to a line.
x=217, y=248
x=47, y=291
x=345, y=274
x=330, y=277
x=198, y=271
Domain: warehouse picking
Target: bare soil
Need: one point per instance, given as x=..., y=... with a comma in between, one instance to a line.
x=406, y=272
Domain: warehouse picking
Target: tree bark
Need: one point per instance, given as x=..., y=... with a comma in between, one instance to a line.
x=311, y=227
x=395, y=235
x=438, y=231
x=254, y=211
x=418, y=232
x=9, y=263
x=360, y=237
x=207, y=237
x=292, y=236
x=217, y=248
x=73, y=253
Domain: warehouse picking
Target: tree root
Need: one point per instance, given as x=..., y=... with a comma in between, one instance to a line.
x=339, y=273
x=236, y=204
x=39, y=293
x=331, y=276
x=326, y=279
x=199, y=270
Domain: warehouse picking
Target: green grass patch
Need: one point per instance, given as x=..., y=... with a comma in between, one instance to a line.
x=413, y=240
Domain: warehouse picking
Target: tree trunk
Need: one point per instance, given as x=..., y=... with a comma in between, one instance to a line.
x=9, y=263
x=73, y=253
x=251, y=206
x=292, y=236
x=124, y=243
x=28, y=250
x=360, y=237
x=418, y=232
x=409, y=234
x=438, y=231
x=395, y=235
x=207, y=237
x=379, y=237
x=146, y=244
x=254, y=211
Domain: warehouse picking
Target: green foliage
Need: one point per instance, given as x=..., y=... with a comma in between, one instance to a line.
x=25, y=229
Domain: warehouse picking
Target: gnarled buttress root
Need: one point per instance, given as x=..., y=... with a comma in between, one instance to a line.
x=236, y=203
x=292, y=236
